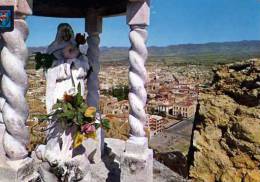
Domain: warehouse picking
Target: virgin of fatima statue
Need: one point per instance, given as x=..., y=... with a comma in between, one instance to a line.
x=68, y=69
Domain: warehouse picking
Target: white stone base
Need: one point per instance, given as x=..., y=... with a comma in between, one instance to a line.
x=2, y=151
x=15, y=171
x=94, y=148
x=18, y=171
x=136, y=163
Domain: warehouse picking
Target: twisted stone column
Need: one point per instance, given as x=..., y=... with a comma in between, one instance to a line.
x=137, y=160
x=137, y=80
x=138, y=20
x=14, y=84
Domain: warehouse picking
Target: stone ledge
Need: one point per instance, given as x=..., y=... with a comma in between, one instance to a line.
x=17, y=171
x=109, y=169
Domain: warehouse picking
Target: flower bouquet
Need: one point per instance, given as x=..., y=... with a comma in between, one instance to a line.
x=73, y=111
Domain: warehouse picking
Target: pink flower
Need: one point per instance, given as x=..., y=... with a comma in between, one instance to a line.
x=88, y=128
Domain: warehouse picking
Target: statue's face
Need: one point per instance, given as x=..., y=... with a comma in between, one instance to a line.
x=66, y=34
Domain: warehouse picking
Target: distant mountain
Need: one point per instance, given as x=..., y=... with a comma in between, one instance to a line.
x=207, y=51
x=36, y=49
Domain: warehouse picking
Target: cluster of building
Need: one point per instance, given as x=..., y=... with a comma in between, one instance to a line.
x=172, y=93
x=172, y=97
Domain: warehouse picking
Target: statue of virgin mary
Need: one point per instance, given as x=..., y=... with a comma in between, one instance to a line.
x=68, y=69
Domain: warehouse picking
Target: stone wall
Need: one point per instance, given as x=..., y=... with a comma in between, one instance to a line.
x=226, y=134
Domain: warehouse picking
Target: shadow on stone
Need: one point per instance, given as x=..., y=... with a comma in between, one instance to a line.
x=175, y=160
x=112, y=165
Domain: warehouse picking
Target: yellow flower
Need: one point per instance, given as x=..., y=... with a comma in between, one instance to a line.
x=91, y=135
x=79, y=138
x=90, y=112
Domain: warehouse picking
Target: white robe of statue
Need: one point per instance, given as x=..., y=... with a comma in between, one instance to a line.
x=68, y=70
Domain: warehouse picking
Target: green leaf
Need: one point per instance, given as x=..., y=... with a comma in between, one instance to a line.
x=44, y=61
x=97, y=125
x=79, y=89
x=69, y=106
x=42, y=117
x=78, y=100
x=58, y=105
x=80, y=118
x=69, y=115
x=83, y=108
x=64, y=107
x=105, y=123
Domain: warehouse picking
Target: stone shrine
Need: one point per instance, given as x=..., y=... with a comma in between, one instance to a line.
x=136, y=159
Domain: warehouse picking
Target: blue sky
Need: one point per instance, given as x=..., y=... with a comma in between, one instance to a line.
x=172, y=22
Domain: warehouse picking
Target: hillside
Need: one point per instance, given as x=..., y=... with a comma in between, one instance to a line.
x=209, y=53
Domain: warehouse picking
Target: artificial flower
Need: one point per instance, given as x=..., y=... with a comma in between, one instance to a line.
x=79, y=138
x=91, y=135
x=80, y=39
x=67, y=97
x=88, y=128
x=90, y=112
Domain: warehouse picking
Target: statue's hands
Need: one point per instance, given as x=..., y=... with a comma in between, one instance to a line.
x=80, y=39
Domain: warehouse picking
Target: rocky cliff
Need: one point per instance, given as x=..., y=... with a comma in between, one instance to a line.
x=226, y=134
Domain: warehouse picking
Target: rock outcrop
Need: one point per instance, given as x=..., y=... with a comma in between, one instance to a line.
x=226, y=134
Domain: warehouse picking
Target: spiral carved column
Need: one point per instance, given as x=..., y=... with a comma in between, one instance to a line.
x=14, y=85
x=136, y=162
x=137, y=80
x=138, y=16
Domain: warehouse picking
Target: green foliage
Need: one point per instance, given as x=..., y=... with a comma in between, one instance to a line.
x=120, y=92
x=105, y=124
x=73, y=110
x=44, y=60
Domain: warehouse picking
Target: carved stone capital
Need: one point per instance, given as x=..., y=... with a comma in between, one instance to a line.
x=138, y=12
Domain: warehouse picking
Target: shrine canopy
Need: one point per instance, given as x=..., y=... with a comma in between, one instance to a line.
x=77, y=8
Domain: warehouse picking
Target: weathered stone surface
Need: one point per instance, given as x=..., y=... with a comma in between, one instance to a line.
x=226, y=135
x=94, y=147
x=136, y=162
x=253, y=176
x=161, y=173
x=109, y=170
x=17, y=171
x=175, y=160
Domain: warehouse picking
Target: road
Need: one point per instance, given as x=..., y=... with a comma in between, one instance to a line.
x=176, y=137
x=179, y=126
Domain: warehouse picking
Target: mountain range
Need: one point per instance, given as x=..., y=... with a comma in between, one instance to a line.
x=199, y=52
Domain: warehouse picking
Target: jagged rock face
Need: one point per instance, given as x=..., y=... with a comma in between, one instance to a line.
x=226, y=135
